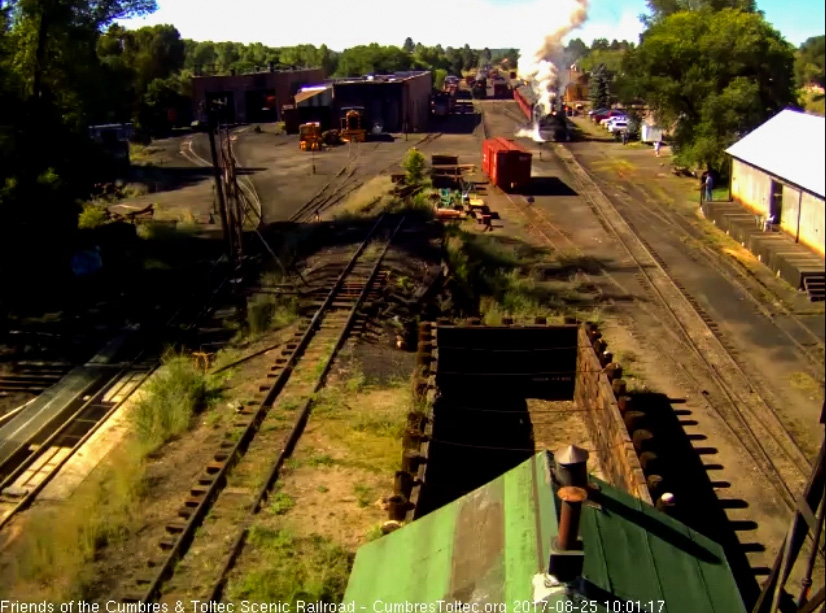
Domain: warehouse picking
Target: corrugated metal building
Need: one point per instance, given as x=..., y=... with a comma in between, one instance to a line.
x=257, y=96
x=778, y=169
x=491, y=548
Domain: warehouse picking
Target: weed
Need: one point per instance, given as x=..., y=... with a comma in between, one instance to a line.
x=59, y=545
x=357, y=382
x=805, y=383
x=92, y=216
x=172, y=398
x=364, y=495
x=281, y=503
x=373, y=534
x=311, y=569
x=267, y=312
x=322, y=489
x=320, y=460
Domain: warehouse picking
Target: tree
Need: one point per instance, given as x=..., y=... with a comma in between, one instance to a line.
x=414, y=166
x=408, y=45
x=661, y=9
x=713, y=75
x=486, y=55
x=599, y=88
x=810, y=63
x=575, y=50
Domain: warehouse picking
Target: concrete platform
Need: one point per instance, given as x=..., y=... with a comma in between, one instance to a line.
x=789, y=260
x=63, y=398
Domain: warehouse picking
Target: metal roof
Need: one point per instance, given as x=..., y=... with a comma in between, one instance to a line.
x=790, y=146
x=490, y=546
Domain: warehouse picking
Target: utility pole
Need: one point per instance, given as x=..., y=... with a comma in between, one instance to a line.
x=212, y=125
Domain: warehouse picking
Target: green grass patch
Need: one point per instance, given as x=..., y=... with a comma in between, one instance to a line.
x=54, y=559
x=364, y=495
x=267, y=312
x=499, y=277
x=312, y=569
x=92, y=216
x=320, y=460
x=805, y=383
x=171, y=399
x=281, y=503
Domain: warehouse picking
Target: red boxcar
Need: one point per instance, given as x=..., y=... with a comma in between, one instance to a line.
x=507, y=164
x=523, y=104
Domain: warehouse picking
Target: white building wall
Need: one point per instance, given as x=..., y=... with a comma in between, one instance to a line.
x=750, y=187
x=812, y=222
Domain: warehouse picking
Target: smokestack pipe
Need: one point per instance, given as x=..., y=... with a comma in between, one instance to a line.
x=571, y=466
x=572, y=499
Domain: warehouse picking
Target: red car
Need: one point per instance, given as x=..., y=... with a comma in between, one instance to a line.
x=601, y=116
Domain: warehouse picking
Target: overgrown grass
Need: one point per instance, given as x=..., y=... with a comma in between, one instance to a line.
x=312, y=569
x=266, y=312
x=172, y=399
x=501, y=279
x=53, y=561
x=92, y=216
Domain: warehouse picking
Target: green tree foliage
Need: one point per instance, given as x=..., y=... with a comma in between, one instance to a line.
x=661, y=9
x=575, y=50
x=373, y=58
x=414, y=166
x=408, y=45
x=810, y=63
x=599, y=89
x=714, y=75
x=439, y=76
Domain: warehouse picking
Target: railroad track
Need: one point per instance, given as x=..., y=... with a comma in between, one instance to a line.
x=649, y=211
x=739, y=404
x=41, y=457
x=344, y=183
x=233, y=487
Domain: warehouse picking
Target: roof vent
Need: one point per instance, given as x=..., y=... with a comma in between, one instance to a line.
x=572, y=466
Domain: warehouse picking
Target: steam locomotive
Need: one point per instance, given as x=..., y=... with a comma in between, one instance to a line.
x=553, y=125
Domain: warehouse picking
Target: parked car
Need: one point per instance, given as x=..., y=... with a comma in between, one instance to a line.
x=618, y=126
x=593, y=112
x=598, y=117
x=611, y=120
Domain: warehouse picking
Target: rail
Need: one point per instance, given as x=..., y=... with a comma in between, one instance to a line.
x=204, y=495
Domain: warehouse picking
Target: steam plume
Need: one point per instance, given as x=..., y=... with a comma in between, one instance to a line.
x=540, y=65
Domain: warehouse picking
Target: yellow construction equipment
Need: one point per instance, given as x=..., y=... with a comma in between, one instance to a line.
x=309, y=136
x=351, y=128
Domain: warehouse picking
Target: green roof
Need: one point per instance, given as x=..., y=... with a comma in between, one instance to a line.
x=488, y=546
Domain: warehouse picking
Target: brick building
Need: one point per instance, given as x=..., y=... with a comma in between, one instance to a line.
x=252, y=97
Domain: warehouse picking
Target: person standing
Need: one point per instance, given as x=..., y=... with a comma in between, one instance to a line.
x=703, y=178
x=709, y=186
x=657, y=145
x=624, y=137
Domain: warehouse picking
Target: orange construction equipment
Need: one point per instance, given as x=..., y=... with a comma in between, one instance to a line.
x=351, y=129
x=309, y=136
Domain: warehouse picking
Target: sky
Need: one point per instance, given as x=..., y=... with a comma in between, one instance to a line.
x=479, y=23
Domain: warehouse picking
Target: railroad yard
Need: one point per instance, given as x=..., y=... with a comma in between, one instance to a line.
x=312, y=380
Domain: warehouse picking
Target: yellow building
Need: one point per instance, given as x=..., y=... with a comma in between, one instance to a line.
x=778, y=171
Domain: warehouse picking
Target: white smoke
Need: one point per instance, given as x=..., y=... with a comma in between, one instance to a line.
x=540, y=64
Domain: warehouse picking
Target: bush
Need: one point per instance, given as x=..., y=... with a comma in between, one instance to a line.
x=92, y=216
x=172, y=398
x=414, y=166
x=266, y=312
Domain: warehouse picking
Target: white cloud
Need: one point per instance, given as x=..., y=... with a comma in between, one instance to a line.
x=445, y=22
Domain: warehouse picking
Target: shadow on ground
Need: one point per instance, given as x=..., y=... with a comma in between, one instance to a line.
x=464, y=123
x=688, y=469
x=170, y=178
x=548, y=186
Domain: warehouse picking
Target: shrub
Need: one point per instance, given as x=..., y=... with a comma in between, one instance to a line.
x=266, y=312
x=92, y=216
x=172, y=398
